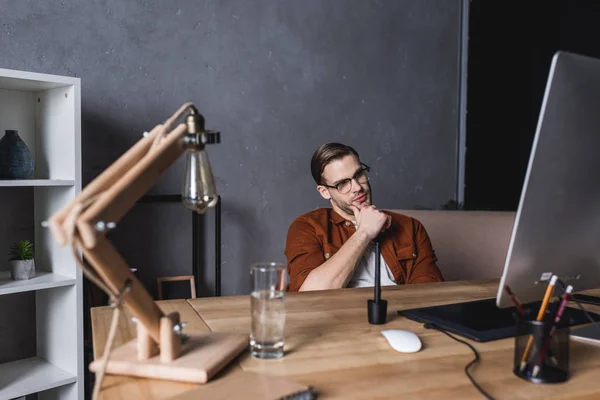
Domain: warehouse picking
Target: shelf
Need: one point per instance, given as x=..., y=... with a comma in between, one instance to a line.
x=33, y=81
x=37, y=182
x=42, y=280
x=31, y=375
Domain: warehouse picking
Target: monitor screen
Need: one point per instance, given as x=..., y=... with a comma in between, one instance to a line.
x=557, y=224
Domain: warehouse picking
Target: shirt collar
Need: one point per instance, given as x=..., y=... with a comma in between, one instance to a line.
x=336, y=218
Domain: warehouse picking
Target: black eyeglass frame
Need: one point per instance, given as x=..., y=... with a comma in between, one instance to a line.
x=365, y=168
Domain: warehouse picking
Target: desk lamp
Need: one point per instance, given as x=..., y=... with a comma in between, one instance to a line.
x=161, y=350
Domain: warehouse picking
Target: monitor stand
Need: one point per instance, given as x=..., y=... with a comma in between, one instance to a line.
x=483, y=321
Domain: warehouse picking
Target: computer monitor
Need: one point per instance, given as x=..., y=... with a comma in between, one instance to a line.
x=557, y=224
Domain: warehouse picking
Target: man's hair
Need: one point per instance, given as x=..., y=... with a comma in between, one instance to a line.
x=327, y=153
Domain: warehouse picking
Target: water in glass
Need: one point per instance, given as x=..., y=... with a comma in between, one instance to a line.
x=268, y=323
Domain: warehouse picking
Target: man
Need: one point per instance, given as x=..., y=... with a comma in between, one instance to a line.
x=331, y=248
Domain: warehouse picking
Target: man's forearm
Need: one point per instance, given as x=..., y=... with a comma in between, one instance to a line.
x=336, y=272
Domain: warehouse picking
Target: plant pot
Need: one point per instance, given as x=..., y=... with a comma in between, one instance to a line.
x=22, y=269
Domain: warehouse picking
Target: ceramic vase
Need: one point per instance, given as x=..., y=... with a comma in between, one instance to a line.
x=16, y=161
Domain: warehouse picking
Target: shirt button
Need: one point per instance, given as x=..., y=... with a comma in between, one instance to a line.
x=327, y=255
x=414, y=255
x=347, y=223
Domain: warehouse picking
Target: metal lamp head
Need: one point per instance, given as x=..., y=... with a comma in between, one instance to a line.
x=199, y=191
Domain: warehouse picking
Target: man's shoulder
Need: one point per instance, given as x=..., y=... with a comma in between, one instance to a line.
x=317, y=216
x=309, y=225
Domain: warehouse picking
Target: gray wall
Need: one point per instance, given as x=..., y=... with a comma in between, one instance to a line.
x=277, y=78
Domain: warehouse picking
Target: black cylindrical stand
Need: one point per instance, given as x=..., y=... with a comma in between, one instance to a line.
x=377, y=308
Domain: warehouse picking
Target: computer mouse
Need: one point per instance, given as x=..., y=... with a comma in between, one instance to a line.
x=402, y=341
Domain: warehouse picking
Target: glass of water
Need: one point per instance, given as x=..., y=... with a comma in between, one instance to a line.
x=268, y=310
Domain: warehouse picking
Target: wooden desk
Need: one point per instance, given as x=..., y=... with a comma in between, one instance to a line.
x=330, y=345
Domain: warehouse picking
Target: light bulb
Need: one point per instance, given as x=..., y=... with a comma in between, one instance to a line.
x=199, y=191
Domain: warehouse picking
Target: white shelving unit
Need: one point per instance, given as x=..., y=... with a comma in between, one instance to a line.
x=46, y=110
x=42, y=280
x=36, y=182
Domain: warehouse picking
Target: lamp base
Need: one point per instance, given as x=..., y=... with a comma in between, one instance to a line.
x=202, y=356
x=377, y=312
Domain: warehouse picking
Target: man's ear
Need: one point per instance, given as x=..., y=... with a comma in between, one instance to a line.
x=324, y=192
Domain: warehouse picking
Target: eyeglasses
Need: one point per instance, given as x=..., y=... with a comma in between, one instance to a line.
x=361, y=177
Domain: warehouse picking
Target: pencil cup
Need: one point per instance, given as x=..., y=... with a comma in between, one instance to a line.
x=541, y=352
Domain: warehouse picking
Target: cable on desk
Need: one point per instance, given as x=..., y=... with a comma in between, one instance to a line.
x=586, y=313
x=430, y=325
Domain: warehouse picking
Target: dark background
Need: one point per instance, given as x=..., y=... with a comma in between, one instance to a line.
x=511, y=44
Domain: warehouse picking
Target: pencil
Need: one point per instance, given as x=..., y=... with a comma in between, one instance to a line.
x=559, y=314
x=540, y=317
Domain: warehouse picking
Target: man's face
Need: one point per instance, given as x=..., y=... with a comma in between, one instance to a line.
x=339, y=170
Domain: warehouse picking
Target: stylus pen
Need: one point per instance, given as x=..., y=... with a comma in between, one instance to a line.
x=377, y=273
x=515, y=300
x=540, y=317
x=559, y=314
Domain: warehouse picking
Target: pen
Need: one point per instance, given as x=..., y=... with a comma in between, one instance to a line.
x=540, y=317
x=515, y=300
x=559, y=314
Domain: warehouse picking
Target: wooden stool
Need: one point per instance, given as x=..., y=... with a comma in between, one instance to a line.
x=190, y=278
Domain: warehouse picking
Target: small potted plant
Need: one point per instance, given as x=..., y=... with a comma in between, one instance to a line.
x=22, y=264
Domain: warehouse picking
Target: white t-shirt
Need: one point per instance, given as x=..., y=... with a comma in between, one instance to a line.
x=364, y=274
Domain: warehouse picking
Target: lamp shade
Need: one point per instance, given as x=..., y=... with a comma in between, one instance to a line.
x=199, y=191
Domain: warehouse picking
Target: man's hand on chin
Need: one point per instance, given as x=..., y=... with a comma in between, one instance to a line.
x=370, y=220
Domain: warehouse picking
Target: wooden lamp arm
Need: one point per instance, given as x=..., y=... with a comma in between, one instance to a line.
x=116, y=201
x=102, y=182
x=115, y=272
x=109, y=197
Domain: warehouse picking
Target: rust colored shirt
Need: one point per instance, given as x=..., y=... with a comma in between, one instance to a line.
x=316, y=236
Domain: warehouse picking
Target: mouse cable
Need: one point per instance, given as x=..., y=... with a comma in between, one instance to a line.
x=430, y=325
x=596, y=323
